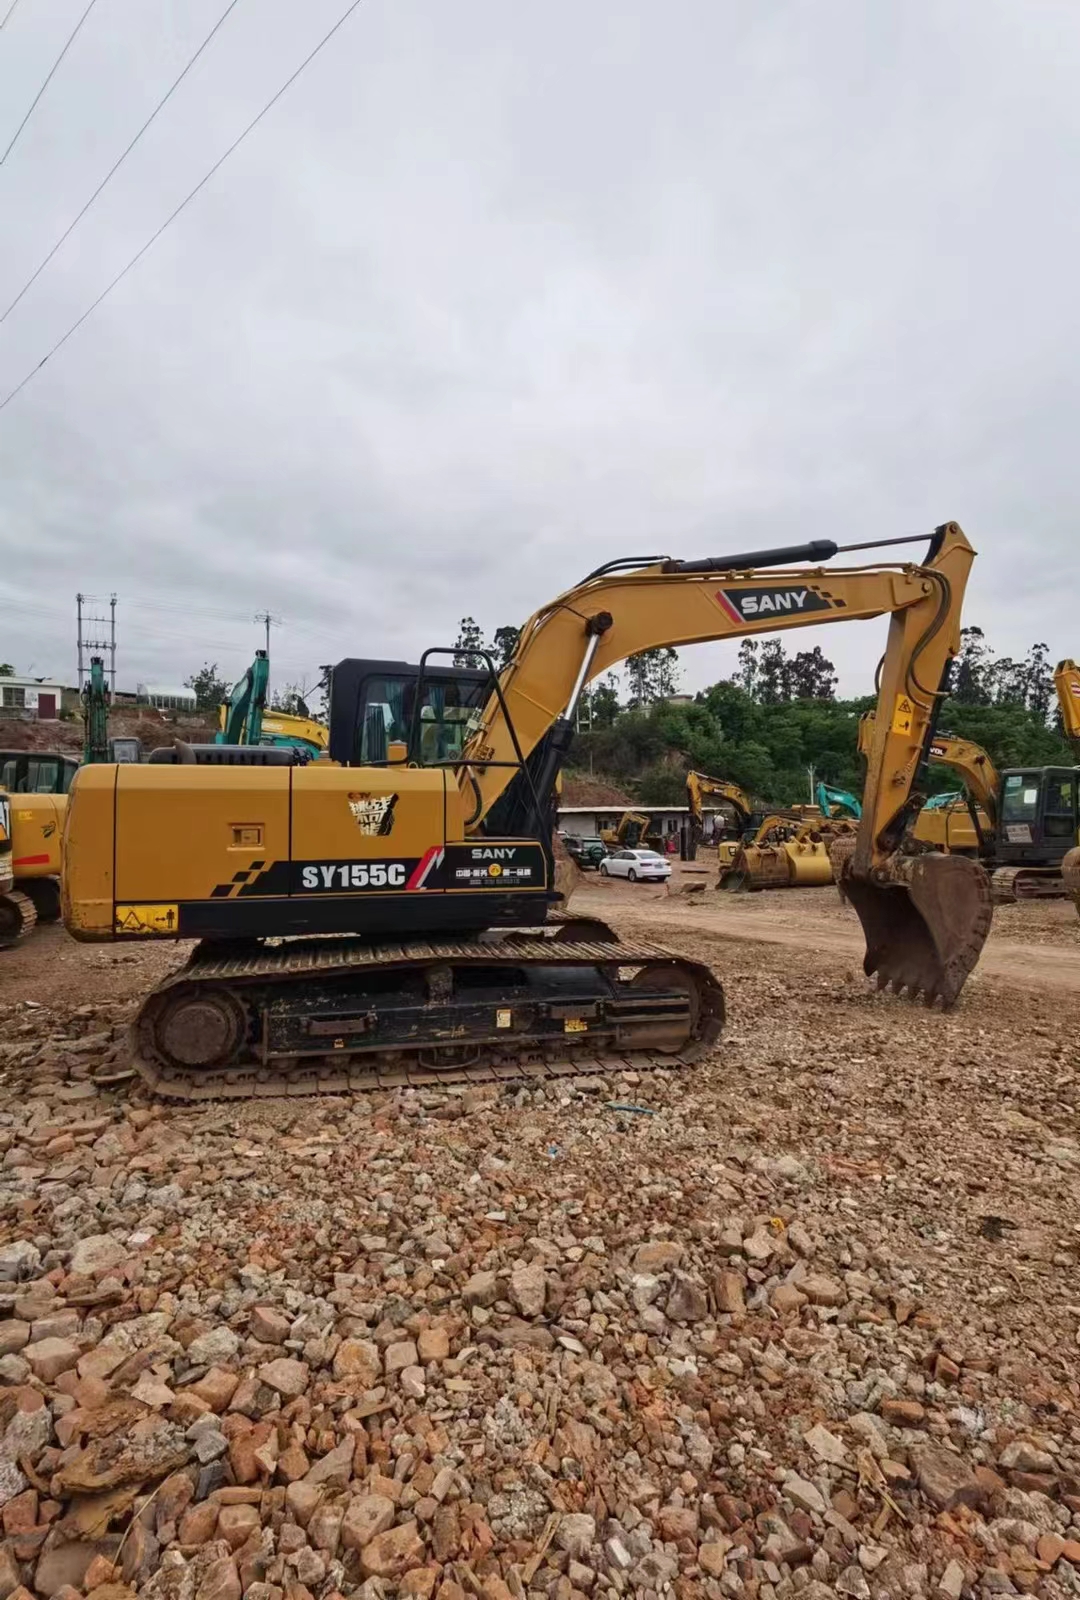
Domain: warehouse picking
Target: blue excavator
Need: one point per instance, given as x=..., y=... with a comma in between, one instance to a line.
x=837, y=802
x=245, y=719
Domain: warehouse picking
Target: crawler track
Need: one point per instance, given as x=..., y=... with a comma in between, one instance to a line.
x=330, y=1015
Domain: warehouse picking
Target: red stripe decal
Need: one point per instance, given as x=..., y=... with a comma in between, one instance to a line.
x=732, y=611
x=427, y=861
x=30, y=861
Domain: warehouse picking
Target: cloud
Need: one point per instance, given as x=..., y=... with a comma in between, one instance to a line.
x=494, y=295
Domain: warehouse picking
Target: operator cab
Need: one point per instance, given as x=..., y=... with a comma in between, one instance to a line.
x=1040, y=815
x=31, y=772
x=390, y=712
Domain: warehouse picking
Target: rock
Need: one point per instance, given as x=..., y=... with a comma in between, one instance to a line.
x=19, y=1261
x=213, y=1348
x=220, y=1581
x=660, y=1255
x=851, y=1582
x=433, y=1344
x=677, y=1522
x=360, y=1359
x=1020, y=1456
x=822, y=1291
x=728, y=1291
x=480, y=1290
x=787, y=1298
x=943, y=1477
x=50, y=1357
x=826, y=1446
x=413, y=1383
x=13, y=1336
x=760, y=1245
x=400, y=1355
x=9, y=1572
x=63, y=1564
x=576, y=1534
x=799, y=1240
x=903, y=1413
x=216, y=1387
x=712, y=1556
x=333, y=1469
x=1050, y=1548
x=686, y=1302
x=802, y=1493
x=236, y=1524
x=392, y=1553
x=528, y=1287
x=198, y=1523
x=286, y=1376
x=365, y=1518
x=97, y=1255
x=951, y=1582
x=269, y=1325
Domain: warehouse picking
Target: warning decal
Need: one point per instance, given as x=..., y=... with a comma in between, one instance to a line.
x=903, y=712
x=146, y=919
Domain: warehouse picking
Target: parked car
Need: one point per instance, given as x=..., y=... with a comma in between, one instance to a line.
x=588, y=852
x=635, y=864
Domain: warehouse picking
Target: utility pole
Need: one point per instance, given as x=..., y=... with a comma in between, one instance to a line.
x=91, y=636
x=269, y=620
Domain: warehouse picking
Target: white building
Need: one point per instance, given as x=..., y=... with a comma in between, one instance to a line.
x=166, y=698
x=589, y=821
x=33, y=698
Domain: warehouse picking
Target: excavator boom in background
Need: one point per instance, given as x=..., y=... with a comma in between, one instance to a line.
x=245, y=719
x=1067, y=687
x=451, y=957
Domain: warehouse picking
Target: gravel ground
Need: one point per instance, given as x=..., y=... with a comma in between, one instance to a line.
x=802, y=1321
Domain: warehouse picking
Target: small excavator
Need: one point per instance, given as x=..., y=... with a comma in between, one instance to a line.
x=760, y=858
x=377, y=920
x=244, y=719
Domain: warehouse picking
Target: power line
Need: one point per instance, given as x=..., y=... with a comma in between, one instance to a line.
x=48, y=80
x=203, y=181
x=7, y=15
x=120, y=160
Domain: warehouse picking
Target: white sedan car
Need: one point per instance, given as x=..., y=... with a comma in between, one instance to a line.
x=635, y=864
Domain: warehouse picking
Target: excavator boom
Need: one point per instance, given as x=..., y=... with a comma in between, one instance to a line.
x=1067, y=686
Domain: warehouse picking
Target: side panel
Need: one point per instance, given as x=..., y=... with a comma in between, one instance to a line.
x=87, y=851
x=37, y=823
x=188, y=832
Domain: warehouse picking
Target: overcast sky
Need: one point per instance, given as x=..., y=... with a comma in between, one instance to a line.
x=498, y=292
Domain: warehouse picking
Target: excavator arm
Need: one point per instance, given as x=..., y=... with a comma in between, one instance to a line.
x=699, y=784
x=1067, y=685
x=241, y=718
x=967, y=759
x=925, y=918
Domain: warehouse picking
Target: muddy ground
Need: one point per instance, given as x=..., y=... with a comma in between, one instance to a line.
x=802, y=1320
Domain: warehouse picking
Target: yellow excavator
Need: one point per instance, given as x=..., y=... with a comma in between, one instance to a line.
x=634, y=829
x=698, y=786
x=448, y=955
x=1021, y=823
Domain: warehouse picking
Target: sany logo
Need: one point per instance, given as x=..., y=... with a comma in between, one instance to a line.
x=748, y=605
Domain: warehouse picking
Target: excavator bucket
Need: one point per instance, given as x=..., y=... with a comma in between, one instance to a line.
x=925, y=919
x=1070, y=871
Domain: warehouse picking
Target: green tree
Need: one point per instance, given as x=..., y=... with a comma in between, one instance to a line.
x=209, y=687
x=470, y=639
x=970, y=686
x=811, y=676
x=6, y=669
x=506, y=642
x=602, y=701
x=652, y=675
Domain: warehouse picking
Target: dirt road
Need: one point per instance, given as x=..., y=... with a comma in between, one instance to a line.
x=814, y=921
